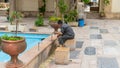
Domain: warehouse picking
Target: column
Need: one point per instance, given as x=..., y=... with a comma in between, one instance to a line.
x=12, y=6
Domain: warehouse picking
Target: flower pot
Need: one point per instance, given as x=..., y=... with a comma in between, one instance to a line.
x=54, y=25
x=13, y=48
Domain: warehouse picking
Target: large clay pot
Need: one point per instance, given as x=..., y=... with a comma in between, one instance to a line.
x=55, y=26
x=13, y=48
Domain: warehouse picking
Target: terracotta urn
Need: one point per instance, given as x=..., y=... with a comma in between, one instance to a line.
x=54, y=26
x=13, y=48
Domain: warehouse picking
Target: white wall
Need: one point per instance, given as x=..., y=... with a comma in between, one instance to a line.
x=115, y=6
x=29, y=5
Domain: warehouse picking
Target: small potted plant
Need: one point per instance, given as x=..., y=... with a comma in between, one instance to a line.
x=71, y=17
x=53, y=22
x=39, y=21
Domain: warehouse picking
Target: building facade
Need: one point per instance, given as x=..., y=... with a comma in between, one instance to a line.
x=31, y=7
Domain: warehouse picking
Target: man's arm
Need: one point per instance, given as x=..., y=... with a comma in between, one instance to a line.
x=59, y=33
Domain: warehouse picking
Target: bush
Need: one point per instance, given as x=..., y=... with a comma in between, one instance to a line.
x=86, y=1
x=39, y=21
x=54, y=18
x=71, y=16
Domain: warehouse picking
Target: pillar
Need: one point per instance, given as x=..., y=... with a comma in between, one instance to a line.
x=12, y=6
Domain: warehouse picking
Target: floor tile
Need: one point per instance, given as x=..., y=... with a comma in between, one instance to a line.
x=90, y=51
x=74, y=54
x=79, y=44
x=107, y=63
x=103, y=31
x=95, y=36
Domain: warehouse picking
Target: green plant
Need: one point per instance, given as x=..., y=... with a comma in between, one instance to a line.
x=15, y=16
x=39, y=21
x=7, y=14
x=71, y=16
x=62, y=7
x=54, y=18
x=86, y=1
x=12, y=38
x=43, y=8
x=106, y=2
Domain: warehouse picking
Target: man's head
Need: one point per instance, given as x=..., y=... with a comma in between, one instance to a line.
x=59, y=23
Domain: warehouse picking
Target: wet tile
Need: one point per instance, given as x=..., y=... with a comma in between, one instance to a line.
x=79, y=44
x=90, y=51
x=107, y=63
x=74, y=54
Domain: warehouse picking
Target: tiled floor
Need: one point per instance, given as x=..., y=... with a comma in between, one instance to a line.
x=100, y=41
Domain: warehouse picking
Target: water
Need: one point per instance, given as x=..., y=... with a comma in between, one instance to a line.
x=31, y=40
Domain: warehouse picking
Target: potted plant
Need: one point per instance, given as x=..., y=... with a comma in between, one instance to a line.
x=53, y=22
x=39, y=21
x=13, y=45
x=71, y=17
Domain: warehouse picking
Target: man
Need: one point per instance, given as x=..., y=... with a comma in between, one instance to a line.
x=65, y=34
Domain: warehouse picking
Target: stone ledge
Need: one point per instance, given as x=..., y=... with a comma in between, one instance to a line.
x=62, y=55
x=33, y=29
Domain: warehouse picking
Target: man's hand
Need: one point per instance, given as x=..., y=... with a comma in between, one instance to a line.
x=59, y=33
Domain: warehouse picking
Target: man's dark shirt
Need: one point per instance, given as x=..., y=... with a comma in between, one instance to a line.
x=67, y=30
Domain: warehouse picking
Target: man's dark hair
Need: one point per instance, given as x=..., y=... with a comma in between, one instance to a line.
x=60, y=22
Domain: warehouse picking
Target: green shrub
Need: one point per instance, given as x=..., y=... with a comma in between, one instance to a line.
x=54, y=18
x=39, y=21
x=86, y=1
x=71, y=16
x=12, y=38
x=62, y=6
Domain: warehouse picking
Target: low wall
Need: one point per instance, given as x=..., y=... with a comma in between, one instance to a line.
x=113, y=15
x=39, y=53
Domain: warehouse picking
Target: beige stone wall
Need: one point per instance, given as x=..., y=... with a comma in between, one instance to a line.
x=50, y=5
x=29, y=5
